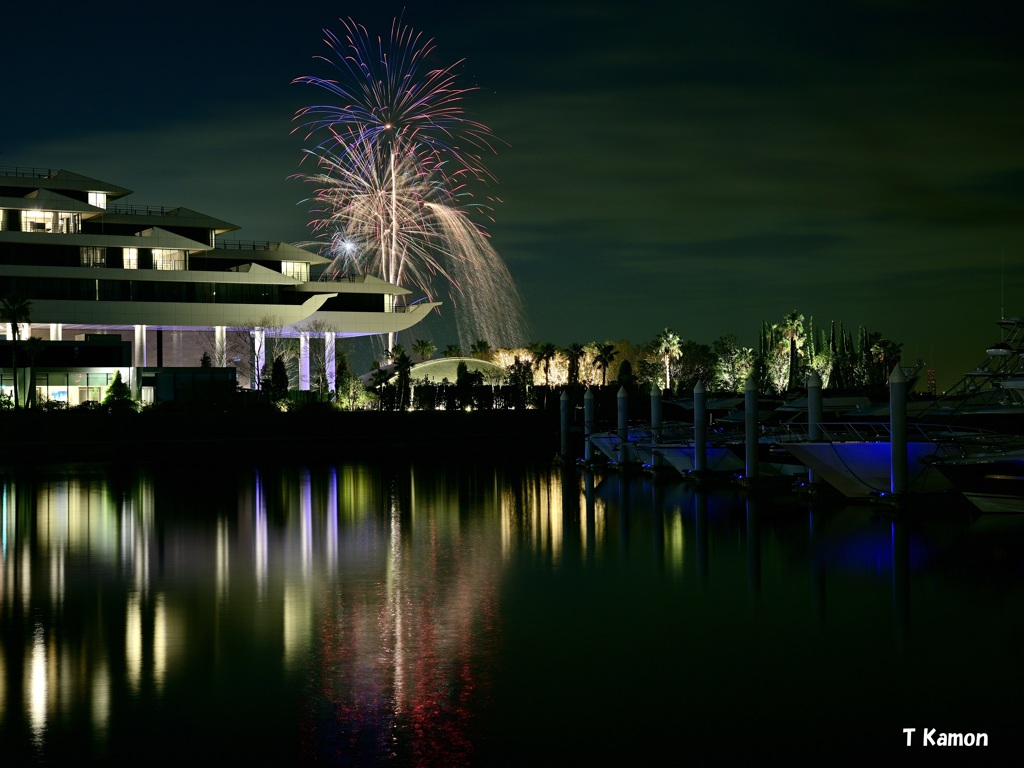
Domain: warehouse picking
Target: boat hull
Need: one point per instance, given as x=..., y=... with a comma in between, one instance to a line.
x=993, y=484
x=681, y=457
x=863, y=469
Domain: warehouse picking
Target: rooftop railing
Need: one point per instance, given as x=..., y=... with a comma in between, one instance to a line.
x=244, y=245
x=27, y=173
x=142, y=210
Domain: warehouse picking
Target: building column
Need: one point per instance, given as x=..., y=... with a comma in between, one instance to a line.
x=220, y=346
x=139, y=347
x=56, y=331
x=329, y=362
x=259, y=343
x=25, y=329
x=8, y=331
x=304, y=361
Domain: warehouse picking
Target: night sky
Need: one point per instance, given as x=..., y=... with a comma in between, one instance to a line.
x=704, y=168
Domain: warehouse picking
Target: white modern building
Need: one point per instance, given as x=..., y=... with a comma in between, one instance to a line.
x=90, y=263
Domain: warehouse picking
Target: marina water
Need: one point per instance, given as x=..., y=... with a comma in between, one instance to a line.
x=416, y=614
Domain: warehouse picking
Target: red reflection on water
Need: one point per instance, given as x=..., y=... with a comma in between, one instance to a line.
x=401, y=652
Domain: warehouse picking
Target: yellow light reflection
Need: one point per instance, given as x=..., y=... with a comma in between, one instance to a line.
x=133, y=642
x=159, y=643
x=37, y=686
x=57, y=576
x=297, y=618
x=26, y=580
x=100, y=699
x=600, y=524
x=675, y=543
x=92, y=521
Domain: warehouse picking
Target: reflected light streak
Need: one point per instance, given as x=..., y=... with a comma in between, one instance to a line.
x=297, y=619
x=128, y=538
x=600, y=524
x=159, y=642
x=92, y=521
x=57, y=576
x=675, y=542
x=582, y=506
x=398, y=649
x=260, y=543
x=37, y=686
x=553, y=486
x=223, y=557
x=52, y=515
x=331, y=539
x=26, y=580
x=100, y=698
x=3, y=525
x=306, y=522
x=392, y=624
x=133, y=642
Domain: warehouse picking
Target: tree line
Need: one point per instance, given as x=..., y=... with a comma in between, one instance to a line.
x=787, y=351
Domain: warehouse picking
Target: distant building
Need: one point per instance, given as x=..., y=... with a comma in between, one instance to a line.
x=89, y=266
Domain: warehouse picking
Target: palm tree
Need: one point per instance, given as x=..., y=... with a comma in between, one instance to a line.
x=574, y=353
x=15, y=309
x=33, y=348
x=481, y=349
x=545, y=354
x=402, y=368
x=792, y=328
x=394, y=352
x=605, y=354
x=378, y=380
x=669, y=347
x=424, y=348
x=452, y=350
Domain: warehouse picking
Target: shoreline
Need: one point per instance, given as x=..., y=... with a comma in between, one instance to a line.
x=209, y=434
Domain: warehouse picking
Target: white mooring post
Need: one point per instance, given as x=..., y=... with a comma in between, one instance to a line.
x=815, y=412
x=588, y=422
x=898, y=430
x=700, y=428
x=750, y=427
x=657, y=423
x=563, y=412
x=623, y=410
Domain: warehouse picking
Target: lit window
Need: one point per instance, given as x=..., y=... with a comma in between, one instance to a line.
x=168, y=258
x=131, y=258
x=35, y=221
x=98, y=199
x=94, y=256
x=70, y=223
x=295, y=269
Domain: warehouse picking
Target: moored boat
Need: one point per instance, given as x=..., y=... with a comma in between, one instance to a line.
x=990, y=473
x=856, y=458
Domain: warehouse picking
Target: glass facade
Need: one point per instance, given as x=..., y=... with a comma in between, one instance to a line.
x=169, y=258
x=73, y=388
x=297, y=269
x=94, y=256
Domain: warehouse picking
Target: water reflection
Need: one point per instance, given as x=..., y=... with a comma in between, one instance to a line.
x=409, y=615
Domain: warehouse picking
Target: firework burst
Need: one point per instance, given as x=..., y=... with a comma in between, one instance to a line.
x=395, y=155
